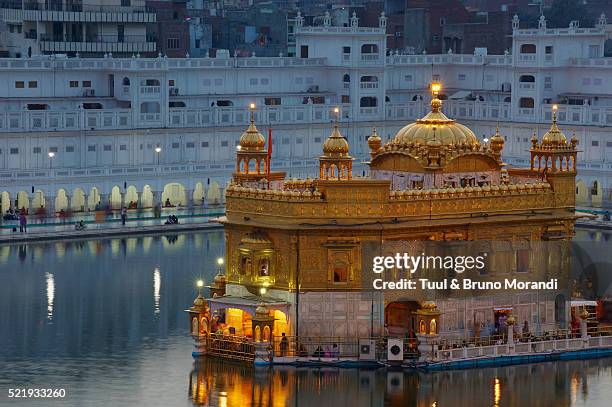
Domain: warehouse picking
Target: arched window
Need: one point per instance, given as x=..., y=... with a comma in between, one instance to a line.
x=369, y=78
x=346, y=78
x=528, y=49
x=507, y=99
x=264, y=267
x=266, y=334
x=368, y=101
x=126, y=81
x=433, y=327
x=527, y=78
x=149, y=107
x=245, y=265
x=257, y=334
x=369, y=49
x=340, y=272
x=526, y=103
x=194, y=326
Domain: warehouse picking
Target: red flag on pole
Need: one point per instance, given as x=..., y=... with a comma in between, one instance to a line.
x=269, y=153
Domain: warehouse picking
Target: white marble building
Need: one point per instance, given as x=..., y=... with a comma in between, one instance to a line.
x=140, y=129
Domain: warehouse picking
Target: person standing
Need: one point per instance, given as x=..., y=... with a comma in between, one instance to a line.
x=284, y=345
x=123, y=215
x=23, y=223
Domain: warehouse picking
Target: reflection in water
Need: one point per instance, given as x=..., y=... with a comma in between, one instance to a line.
x=216, y=383
x=156, y=288
x=113, y=343
x=50, y=295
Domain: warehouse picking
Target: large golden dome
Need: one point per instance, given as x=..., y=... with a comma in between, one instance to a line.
x=335, y=145
x=435, y=128
x=252, y=139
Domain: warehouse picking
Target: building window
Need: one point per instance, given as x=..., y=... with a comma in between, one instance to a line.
x=595, y=143
x=190, y=145
x=369, y=49
x=528, y=49
x=346, y=50
x=548, y=49
x=14, y=150
x=70, y=149
x=408, y=78
x=175, y=145
x=272, y=101
x=264, y=267
x=218, y=82
x=340, y=270
x=608, y=143
x=527, y=78
x=265, y=81
x=174, y=43
x=253, y=81
x=206, y=82
x=317, y=139
x=122, y=147
x=526, y=103
x=461, y=76
x=32, y=84
x=368, y=101
x=346, y=99
x=170, y=82
x=87, y=84
x=91, y=148
x=224, y=144
x=197, y=43
x=74, y=84
x=126, y=3
x=522, y=261
x=442, y=21
x=19, y=84
x=53, y=149
x=204, y=144
x=36, y=150
x=108, y=147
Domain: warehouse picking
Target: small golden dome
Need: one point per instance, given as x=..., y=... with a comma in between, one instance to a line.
x=554, y=136
x=335, y=145
x=252, y=139
x=374, y=141
x=199, y=301
x=584, y=314
x=511, y=320
x=220, y=279
x=429, y=305
x=262, y=309
x=497, y=141
x=437, y=128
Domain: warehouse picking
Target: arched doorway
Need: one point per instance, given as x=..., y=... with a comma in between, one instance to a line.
x=38, y=200
x=93, y=199
x=23, y=200
x=198, y=194
x=214, y=193
x=5, y=201
x=174, y=194
x=77, y=203
x=61, y=200
x=131, y=197
x=582, y=196
x=281, y=324
x=399, y=317
x=146, y=200
x=115, y=199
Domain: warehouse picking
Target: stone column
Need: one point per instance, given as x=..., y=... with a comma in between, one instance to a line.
x=68, y=202
x=104, y=201
x=50, y=204
x=189, y=196
x=86, y=202
x=584, y=334
x=511, y=321
x=123, y=203
x=139, y=203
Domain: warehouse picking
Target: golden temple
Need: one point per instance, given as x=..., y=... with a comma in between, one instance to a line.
x=297, y=244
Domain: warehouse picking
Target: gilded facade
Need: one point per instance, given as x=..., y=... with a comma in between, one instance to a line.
x=303, y=240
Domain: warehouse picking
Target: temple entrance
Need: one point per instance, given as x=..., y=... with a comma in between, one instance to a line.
x=399, y=317
x=233, y=321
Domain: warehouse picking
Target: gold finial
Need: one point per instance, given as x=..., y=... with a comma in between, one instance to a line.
x=436, y=87
x=436, y=103
x=337, y=114
x=554, y=113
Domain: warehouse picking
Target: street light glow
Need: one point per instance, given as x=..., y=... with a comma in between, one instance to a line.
x=200, y=283
x=555, y=107
x=158, y=149
x=262, y=290
x=336, y=110
x=252, y=106
x=436, y=87
x=486, y=140
x=51, y=154
x=220, y=261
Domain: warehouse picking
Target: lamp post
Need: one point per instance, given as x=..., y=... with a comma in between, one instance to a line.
x=51, y=154
x=157, y=151
x=220, y=262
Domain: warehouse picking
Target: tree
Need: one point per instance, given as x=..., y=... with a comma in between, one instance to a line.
x=563, y=11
